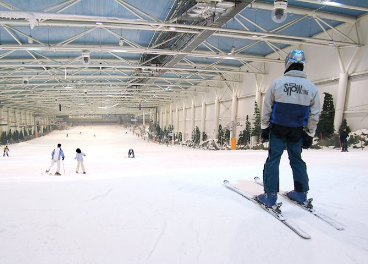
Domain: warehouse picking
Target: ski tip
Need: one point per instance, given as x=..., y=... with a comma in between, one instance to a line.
x=226, y=181
x=256, y=178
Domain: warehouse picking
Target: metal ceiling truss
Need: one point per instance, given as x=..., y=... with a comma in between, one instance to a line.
x=165, y=71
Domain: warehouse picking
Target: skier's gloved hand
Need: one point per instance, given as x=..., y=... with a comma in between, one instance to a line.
x=265, y=134
x=307, y=141
x=63, y=158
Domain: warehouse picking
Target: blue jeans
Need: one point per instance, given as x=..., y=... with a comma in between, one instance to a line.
x=271, y=167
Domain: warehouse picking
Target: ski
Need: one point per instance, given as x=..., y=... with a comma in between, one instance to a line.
x=274, y=211
x=308, y=208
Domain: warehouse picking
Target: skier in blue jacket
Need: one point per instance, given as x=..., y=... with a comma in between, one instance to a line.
x=290, y=115
x=56, y=155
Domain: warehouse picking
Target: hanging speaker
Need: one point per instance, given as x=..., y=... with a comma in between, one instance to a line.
x=139, y=106
x=60, y=107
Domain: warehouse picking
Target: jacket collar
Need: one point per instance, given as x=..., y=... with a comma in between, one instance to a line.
x=296, y=73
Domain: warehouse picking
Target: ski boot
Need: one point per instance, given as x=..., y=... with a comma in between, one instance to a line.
x=57, y=173
x=300, y=198
x=268, y=199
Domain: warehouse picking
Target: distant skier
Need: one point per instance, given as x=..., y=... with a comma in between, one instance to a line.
x=79, y=157
x=131, y=153
x=6, y=151
x=290, y=115
x=344, y=140
x=56, y=155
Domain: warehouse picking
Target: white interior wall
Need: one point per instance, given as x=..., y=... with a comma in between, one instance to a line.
x=322, y=64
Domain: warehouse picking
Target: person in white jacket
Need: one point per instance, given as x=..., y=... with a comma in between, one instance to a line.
x=289, y=119
x=79, y=157
x=56, y=155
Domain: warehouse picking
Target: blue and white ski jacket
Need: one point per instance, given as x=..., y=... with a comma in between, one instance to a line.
x=61, y=153
x=292, y=101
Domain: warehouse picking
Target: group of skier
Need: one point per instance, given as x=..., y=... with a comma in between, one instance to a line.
x=58, y=154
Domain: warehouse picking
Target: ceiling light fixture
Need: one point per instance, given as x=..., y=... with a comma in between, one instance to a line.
x=232, y=50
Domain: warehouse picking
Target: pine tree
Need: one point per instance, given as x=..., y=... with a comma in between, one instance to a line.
x=180, y=137
x=326, y=121
x=196, y=135
x=241, y=138
x=247, y=131
x=4, y=138
x=220, y=135
x=256, y=129
x=204, y=136
x=10, y=135
x=15, y=136
x=227, y=136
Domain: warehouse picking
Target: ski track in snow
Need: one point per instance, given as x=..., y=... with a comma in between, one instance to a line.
x=101, y=196
x=158, y=239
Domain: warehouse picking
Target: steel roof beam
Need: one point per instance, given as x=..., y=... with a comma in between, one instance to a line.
x=157, y=26
x=335, y=4
x=77, y=77
x=97, y=66
x=305, y=11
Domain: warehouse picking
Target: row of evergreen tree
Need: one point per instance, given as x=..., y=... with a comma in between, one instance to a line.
x=16, y=136
x=325, y=128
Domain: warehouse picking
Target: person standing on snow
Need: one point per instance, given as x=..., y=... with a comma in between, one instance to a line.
x=79, y=157
x=290, y=115
x=56, y=155
x=6, y=151
x=131, y=153
x=344, y=140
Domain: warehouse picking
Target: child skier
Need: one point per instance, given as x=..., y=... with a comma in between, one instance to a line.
x=79, y=158
x=6, y=151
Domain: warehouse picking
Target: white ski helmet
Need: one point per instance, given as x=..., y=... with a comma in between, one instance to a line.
x=295, y=56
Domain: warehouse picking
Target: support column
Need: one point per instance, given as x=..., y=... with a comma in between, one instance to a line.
x=11, y=119
x=29, y=123
x=35, y=129
x=233, y=119
x=217, y=115
x=258, y=99
x=2, y=120
x=22, y=121
x=192, y=116
x=184, y=121
x=171, y=116
x=154, y=115
x=176, y=119
x=16, y=120
x=144, y=119
x=203, y=120
x=340, y=101
x=160, y=118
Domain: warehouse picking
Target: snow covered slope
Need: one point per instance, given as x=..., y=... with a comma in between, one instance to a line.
x=168, y=205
